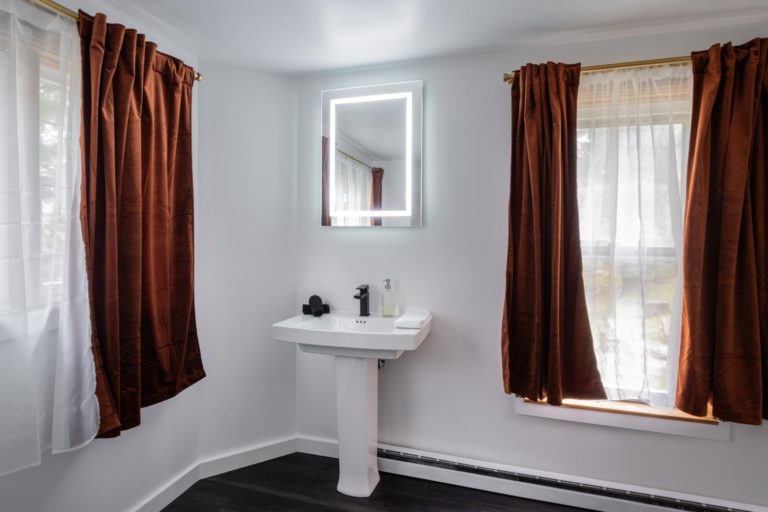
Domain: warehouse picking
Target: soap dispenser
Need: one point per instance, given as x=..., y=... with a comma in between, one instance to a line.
x=388, y=300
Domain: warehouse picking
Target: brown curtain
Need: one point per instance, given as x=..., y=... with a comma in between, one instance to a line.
x=137, y=220
x=547, y=347
x=325, y=219
x=724, y=347
x=376, y=197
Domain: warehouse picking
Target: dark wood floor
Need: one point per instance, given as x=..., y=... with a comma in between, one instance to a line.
x=302, y=483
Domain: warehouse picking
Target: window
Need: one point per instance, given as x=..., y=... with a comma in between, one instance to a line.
x=53, y=207
x=632, y=140
x=40, y=222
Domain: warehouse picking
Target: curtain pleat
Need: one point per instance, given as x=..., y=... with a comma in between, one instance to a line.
x=376, y=192
x=137, y=215
x=547, y=347
x=724, y=346
x=325, y=219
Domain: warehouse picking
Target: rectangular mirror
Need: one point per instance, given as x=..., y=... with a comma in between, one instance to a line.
x=371, y=155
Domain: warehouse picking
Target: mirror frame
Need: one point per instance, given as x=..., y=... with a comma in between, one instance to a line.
x=412, y=92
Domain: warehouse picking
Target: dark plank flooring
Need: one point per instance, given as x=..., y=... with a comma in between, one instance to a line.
x=302, y=483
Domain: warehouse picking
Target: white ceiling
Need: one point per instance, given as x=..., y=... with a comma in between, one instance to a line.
x=302, y=36
x=377, y=126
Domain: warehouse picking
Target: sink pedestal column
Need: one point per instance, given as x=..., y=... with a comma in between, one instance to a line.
x=357, y=384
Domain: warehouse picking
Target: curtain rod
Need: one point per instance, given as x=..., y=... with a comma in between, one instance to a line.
x=620, y=65
x=56, y=7
x=353, y=158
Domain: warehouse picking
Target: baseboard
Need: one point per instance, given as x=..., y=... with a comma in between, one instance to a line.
x=317, y=446
x=168, y=492
x=242, y=458
x=329, y=448
x=216, y=465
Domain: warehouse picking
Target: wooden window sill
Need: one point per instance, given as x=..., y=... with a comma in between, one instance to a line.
x=634, y=409
x=628, y=415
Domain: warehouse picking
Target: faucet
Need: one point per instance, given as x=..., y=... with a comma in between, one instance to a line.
x=363, y=297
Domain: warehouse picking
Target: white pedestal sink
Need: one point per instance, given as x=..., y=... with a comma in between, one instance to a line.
x=357, y=343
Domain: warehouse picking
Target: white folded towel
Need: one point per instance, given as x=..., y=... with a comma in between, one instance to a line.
x=413, y=318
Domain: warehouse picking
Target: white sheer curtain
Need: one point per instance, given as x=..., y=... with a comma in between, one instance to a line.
x=47, y=379
x=354, y=186
x=633, y=129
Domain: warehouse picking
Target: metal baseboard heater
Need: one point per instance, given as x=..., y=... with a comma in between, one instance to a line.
x=608, y=492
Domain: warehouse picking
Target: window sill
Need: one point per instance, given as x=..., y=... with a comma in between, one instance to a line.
x=628, y=416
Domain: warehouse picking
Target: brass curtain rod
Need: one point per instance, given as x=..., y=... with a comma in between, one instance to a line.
x=56, y=7
x=620, y=65
x=353, y=158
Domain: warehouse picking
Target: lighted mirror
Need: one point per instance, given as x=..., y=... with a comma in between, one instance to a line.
x=371, y=155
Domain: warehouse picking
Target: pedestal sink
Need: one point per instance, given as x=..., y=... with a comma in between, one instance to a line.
x=357, y=343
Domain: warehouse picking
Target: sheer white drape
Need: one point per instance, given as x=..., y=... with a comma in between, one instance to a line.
x=633, y=129
x=354, y=186
x=47, y=379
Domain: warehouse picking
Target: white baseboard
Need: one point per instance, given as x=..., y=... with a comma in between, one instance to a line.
x=317, y=446
x=214, y=466
x=170, y=491
x=329, y=448
x=242, y=458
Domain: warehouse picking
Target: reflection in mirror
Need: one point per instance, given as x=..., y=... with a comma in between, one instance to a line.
x=371, y=156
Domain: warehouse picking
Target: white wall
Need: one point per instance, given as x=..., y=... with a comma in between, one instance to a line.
x=244, y=213
x=246, y=256
x=447, y=396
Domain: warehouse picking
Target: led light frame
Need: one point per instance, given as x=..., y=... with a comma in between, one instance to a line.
x=408, y=97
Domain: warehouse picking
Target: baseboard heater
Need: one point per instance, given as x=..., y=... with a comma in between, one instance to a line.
x=638, y=497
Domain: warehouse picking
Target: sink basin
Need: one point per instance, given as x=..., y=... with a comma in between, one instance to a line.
x=356, y=343
x=347, y=334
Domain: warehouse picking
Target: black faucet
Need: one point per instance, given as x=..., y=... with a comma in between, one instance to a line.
x=363, y=297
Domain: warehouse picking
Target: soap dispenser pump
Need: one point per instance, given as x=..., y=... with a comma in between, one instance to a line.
x=388, y=300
